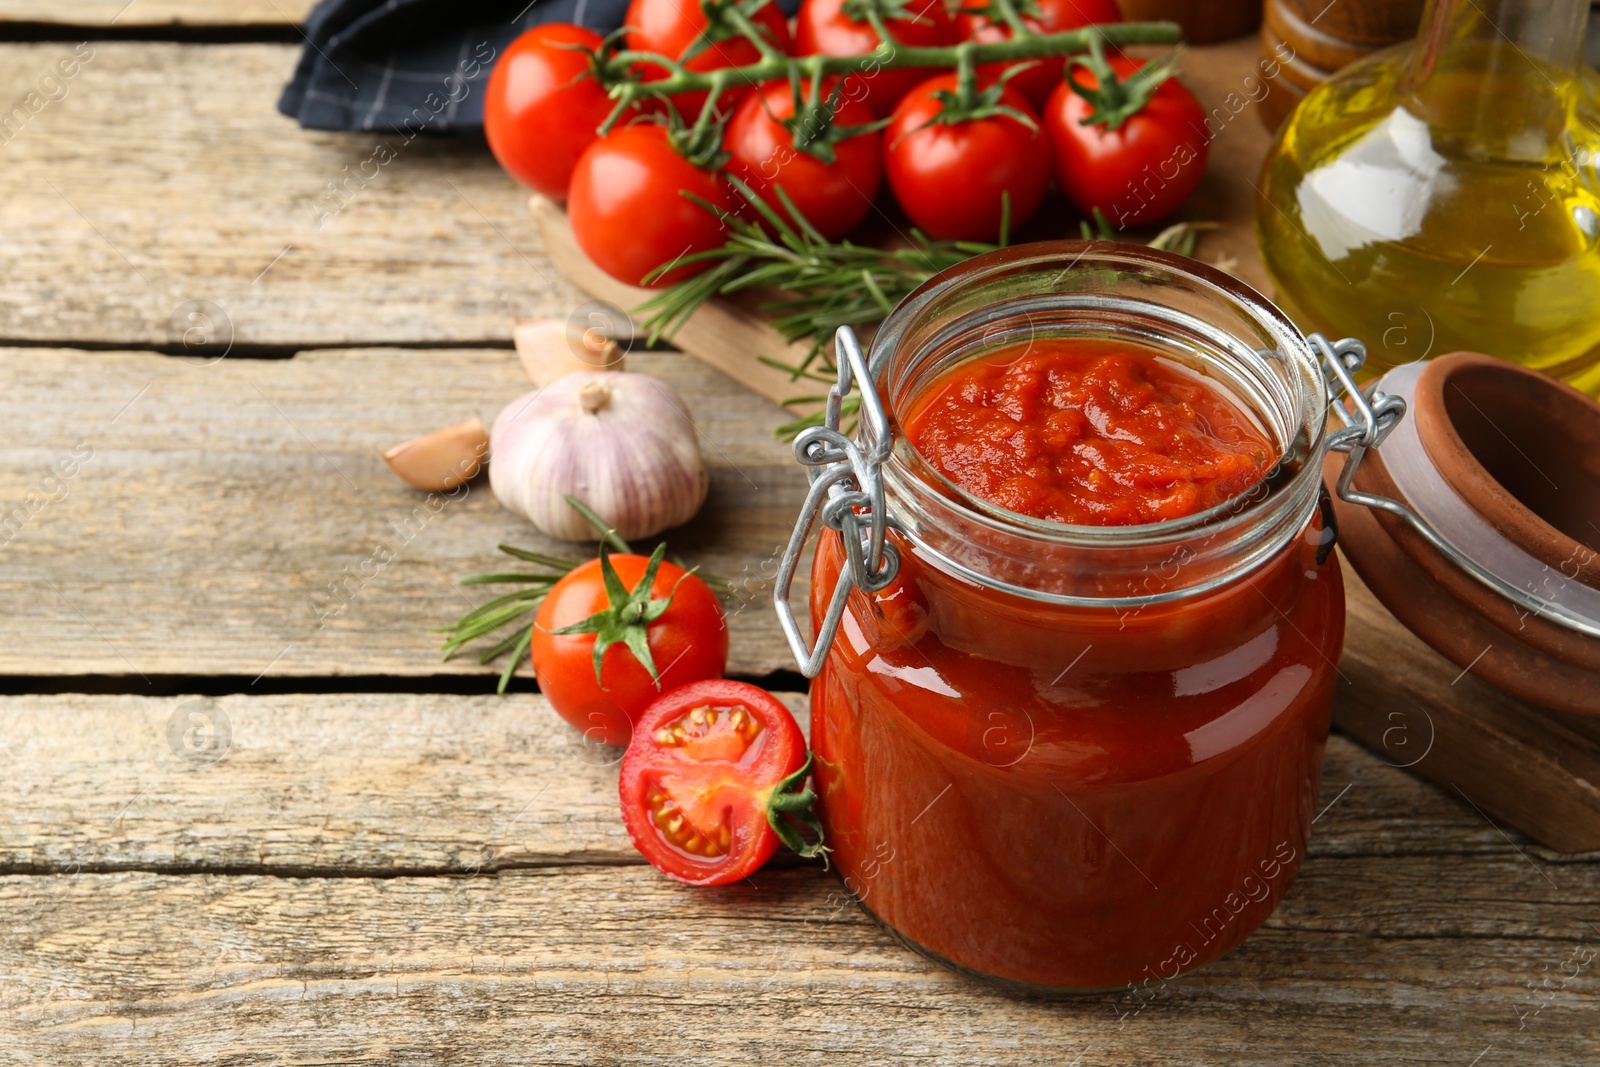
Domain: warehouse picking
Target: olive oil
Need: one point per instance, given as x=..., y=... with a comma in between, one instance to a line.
x=1444, y=195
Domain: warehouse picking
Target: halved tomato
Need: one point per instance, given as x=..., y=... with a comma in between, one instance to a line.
x=714, y=778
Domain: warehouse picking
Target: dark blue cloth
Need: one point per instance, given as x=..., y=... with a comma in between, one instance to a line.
x=415, y=66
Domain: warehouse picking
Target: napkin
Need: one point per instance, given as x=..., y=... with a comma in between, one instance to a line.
x=415, y=66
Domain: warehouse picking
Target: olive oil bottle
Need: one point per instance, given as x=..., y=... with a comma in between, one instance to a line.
x=1444, y=195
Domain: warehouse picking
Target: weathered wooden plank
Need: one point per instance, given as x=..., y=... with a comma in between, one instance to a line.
x=128, y=13
x=237, y=518
x=617, y=965
x=329, y=783
x=385, y=783
x=299, y=237
x=201, y=192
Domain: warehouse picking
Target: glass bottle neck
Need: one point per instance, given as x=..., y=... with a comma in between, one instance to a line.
x=1500, y=77
x=1512, y=33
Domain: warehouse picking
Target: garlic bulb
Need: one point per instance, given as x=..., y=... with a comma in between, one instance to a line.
x=617, y=441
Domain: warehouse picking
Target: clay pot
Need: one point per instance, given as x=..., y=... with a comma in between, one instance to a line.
x=1522, y=452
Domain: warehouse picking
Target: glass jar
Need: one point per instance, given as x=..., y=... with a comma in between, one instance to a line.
x=1444, y=194
x=1065, y=756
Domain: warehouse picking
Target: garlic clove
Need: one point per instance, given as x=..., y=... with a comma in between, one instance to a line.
x=442, y=459
x=552, y=348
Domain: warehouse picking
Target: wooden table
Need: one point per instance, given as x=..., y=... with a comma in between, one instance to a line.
x=244, y=821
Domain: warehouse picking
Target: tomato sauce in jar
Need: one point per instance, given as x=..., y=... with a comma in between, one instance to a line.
x=1088, y=432
x=1076, y=742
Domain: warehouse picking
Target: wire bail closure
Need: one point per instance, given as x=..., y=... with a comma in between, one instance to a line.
x=847, y=490
x=847, y=494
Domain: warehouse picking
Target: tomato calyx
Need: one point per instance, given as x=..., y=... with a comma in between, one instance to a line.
x=1000, y=14
x=726, y=20
x=1019, y=18
x=1113, y=100
x=874, y=12
x=789, y=807
x=627, y=616
x=603, y=72
x=985, y=103
x=971, y=101
x=811, y=124
x=700, y=144
x=597, y=56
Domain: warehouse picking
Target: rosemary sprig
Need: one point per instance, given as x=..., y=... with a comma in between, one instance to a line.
x=1180, y=237
x=502, y=611
x=510, y=609
x=821, y=285
x=608, y=533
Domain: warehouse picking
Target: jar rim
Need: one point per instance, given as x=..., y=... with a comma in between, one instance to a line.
x=1298, y=433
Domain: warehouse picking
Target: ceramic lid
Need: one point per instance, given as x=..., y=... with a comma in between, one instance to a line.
x=1502, y=464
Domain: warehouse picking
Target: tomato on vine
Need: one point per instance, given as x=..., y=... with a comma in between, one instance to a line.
x=630, y=207
x=844, y=28
x=982, y=21
x=543, y=104
x=824, y=152
x=1129, y=142
x=714, y=778
x=961, y=168
x=703, y=35
x=616, y=632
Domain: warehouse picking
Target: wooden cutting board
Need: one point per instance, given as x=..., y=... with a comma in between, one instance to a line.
x=1519, y=766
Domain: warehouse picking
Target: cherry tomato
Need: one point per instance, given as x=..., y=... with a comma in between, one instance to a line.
x=950, y=179
x=1139, y=172
x=671, y=27
x=1039, y=77
x=711, y=782
x=824, y=28
x=687, y=642
x=628, y=212
x=542, y=106
x=834, y=196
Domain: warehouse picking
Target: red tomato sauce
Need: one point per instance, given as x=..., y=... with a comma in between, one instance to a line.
x=1088, y=432
x=1078, y=796
x=1070, y=822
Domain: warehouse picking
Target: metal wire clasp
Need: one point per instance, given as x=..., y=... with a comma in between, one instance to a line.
x=847, y=493
x=1368, y=420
